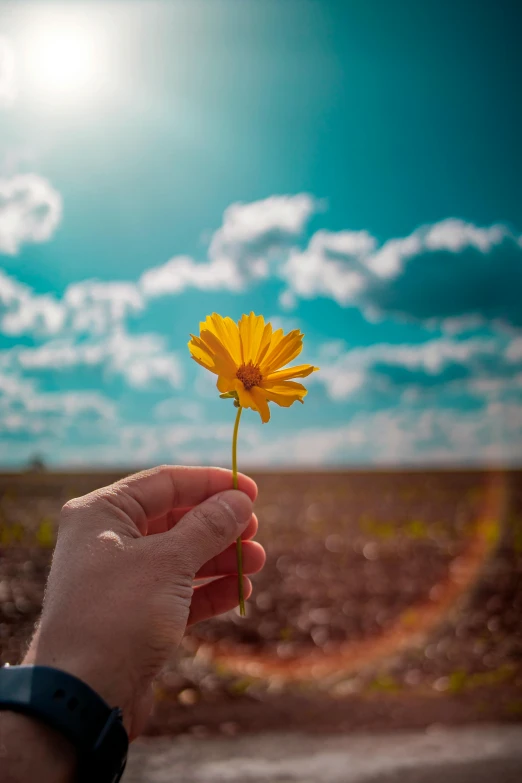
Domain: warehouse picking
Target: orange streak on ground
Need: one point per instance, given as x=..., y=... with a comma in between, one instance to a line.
x=409, y=630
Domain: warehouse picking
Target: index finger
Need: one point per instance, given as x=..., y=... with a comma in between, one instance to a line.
x=159, y=490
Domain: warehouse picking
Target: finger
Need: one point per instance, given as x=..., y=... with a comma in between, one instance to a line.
x=167, y=522
x=216, y=597
x=153, y=493
x=226, y=562
x=209, y=528
x=251, y=529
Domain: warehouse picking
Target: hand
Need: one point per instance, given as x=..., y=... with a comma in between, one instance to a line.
x=121, y=588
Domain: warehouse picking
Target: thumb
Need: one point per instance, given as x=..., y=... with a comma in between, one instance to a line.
x=209, y=528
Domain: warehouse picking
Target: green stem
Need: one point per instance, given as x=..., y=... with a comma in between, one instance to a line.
x=239, y=548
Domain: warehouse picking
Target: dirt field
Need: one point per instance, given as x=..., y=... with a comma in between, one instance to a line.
x=389, y=600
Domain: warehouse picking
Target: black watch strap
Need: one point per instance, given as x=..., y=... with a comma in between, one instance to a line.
x=73, y=708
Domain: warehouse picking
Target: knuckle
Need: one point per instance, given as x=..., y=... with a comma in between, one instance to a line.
x=161, y=470
x=167, y=472
x=69, y=511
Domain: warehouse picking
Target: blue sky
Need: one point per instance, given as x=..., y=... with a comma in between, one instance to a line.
x=353, y=169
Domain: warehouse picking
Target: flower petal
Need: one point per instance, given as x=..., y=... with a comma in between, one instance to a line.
x=254, y=398
x=286, y=393
x=220, y=353
x=251, y=331
x=225, y=384
x=301, y=371
x=227, y=332
x=284, y=351
x=261, y=401
x=264, y=345
x=276, y=338
x=223, y=346
x=201, y=354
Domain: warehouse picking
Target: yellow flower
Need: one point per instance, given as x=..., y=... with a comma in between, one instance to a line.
x=248, y=357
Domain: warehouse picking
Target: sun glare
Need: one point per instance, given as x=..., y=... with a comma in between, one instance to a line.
x=65, y=61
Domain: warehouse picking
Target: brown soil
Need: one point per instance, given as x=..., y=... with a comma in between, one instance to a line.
x=388, y=599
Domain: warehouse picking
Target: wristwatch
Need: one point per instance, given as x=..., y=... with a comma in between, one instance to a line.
x=73, y=708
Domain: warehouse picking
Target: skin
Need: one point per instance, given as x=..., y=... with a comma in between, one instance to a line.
x=122, y=590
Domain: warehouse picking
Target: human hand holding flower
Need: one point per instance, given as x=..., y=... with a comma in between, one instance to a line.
x=121, y=589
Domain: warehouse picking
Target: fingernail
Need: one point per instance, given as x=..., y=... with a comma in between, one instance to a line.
x=237, y=503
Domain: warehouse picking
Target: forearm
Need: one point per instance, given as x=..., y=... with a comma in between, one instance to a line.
x=31, y=752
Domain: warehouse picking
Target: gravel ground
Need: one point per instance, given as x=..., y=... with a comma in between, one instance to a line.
x=490, y=754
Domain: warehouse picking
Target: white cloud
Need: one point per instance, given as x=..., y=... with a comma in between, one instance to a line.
x=141, y=359
x=342, y=381
x=288, y=300
x=430, y=356
x=56, y=355
x=11, y=291
x=30, y=211
x=459, y=324
x=90, y=307
x=514, y=350
x=239, y=250
x=25, y=408
x=403, y=436
x=388, y=261
x=13, y=386
x=338, y=264
x=455, y=235
x=330, y=266
x=22, y=311
x=246, y=224
x=345, y=371
x=442, y=369
x=8, y=88
x=70, y=404
x=493, y=387
x=255, y=240
x=183, y=272
x=451, y=234
x=344, y=264
x=95, y=306
x=172, y=408
x=262, y=238
x=343, y=243
x=40, y=314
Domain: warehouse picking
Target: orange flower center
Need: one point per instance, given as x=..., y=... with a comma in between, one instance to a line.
x=249, y=375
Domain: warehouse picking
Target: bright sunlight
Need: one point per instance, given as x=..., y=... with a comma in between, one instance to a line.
x=65, y=60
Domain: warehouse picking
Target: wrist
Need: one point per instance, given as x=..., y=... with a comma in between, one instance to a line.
x=72, y=708
x=32, y=752
x=90, y=667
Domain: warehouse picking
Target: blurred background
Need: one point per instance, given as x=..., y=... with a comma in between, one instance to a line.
x=352, y=169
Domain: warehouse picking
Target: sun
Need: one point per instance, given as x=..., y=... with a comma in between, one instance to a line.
x=65, y=60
